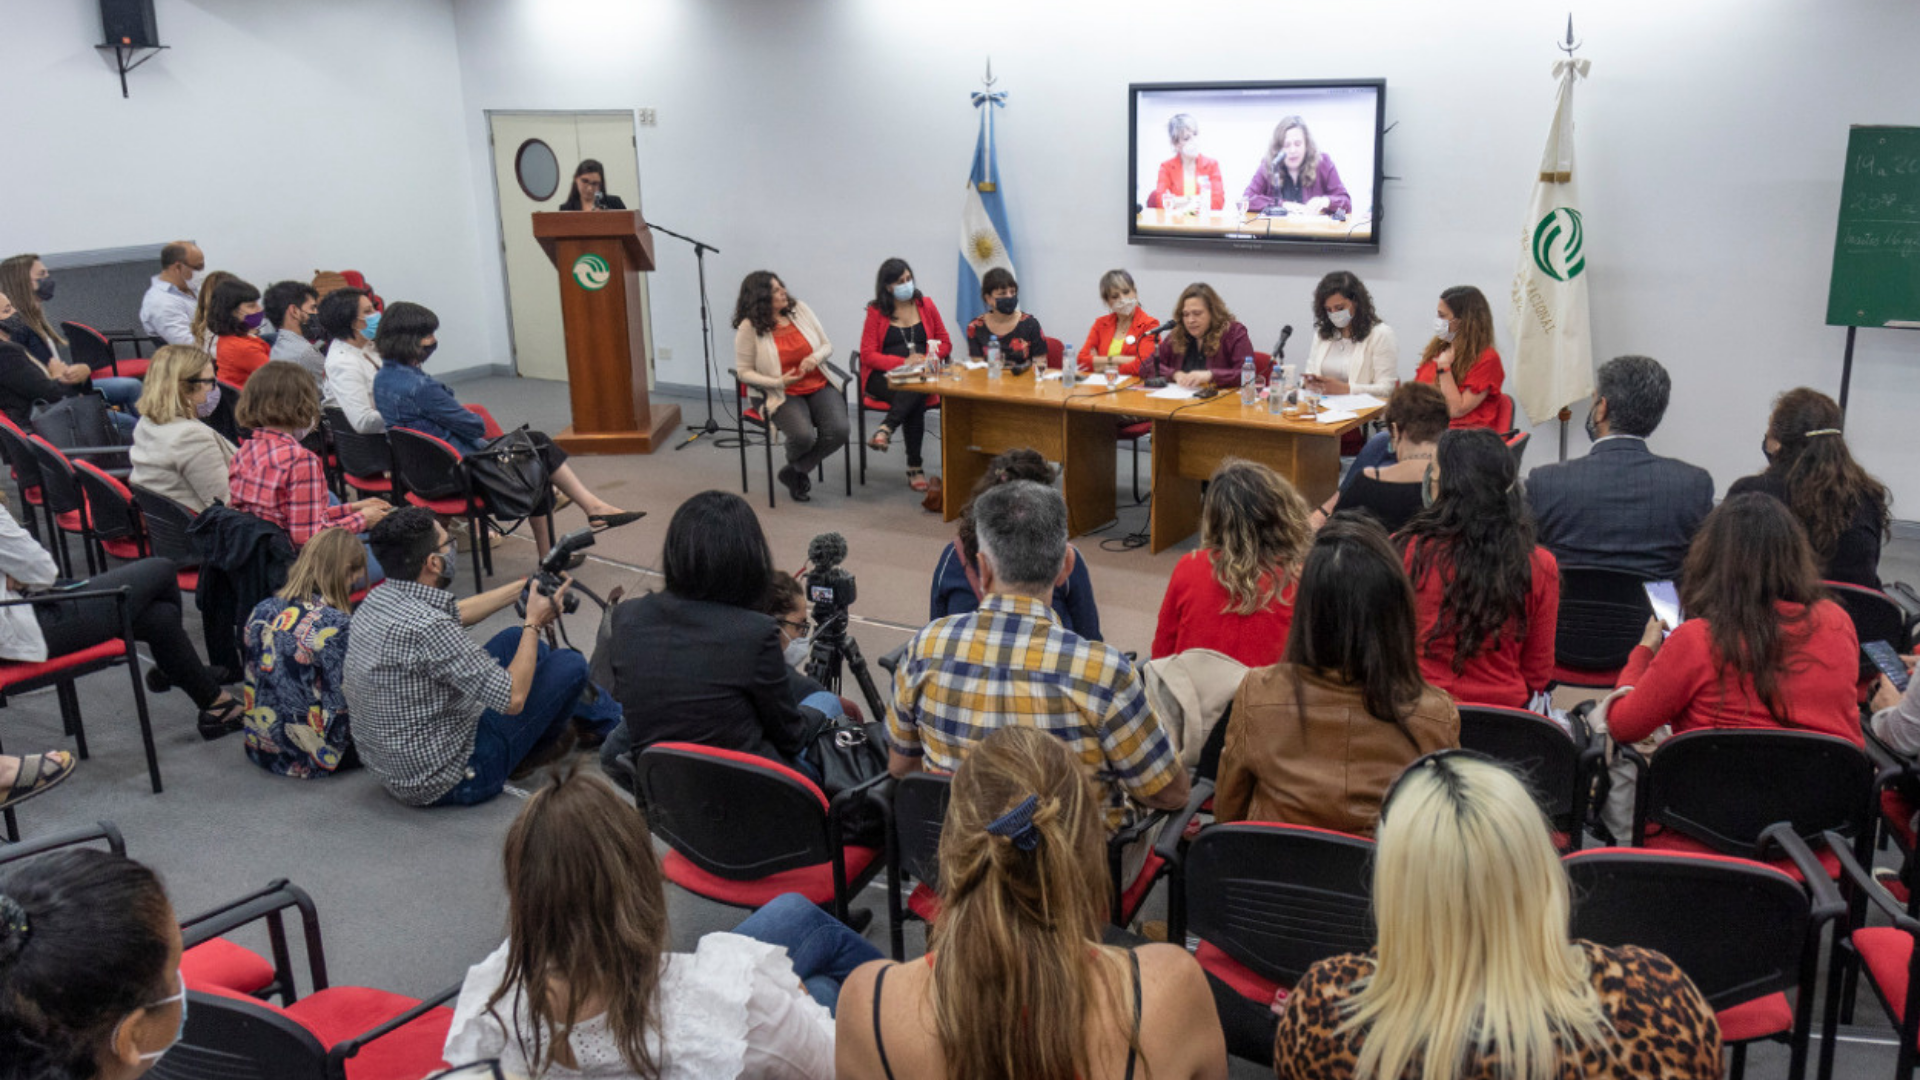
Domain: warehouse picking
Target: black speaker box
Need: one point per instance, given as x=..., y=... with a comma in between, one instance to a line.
x=129, y=22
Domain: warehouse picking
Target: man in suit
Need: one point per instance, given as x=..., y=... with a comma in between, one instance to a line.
x=1622, y=507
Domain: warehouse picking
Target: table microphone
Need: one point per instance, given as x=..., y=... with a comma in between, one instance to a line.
x=600, y=199
x=1156, y=329
x=1280, y=347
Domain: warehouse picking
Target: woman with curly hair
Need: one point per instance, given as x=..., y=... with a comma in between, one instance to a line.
x=1845, y=511
x=1235, y=594
x=778, y=347
x=1354, y=351
x=1488, y=597
x=956, y=577
x=1206, y=347
x=1294, y=174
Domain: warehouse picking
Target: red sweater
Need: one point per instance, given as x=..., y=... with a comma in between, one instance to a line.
x=875, y=334
x=1194, y=616
x=239, y=357
x=1508, y=671
x=1681, y=685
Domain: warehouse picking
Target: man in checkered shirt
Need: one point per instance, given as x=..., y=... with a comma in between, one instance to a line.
x=1009, y=662
x=438, y=717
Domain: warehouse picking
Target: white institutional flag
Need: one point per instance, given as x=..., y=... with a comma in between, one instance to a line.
x=1553, y=342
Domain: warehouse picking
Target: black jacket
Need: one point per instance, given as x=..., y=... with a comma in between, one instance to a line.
x=243, y=560
x=23, y=382
x=611, y=202
x=1856, y=555
x=1622, y=507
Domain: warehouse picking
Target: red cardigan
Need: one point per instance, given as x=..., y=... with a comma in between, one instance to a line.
x=1511, y=670
x=1173, y=180
x=239, y=356
x=1681, y=685
x=875, y=334
x=1100, y=336
x=1194, y=616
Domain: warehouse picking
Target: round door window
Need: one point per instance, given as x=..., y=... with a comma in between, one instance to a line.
x=537, y=170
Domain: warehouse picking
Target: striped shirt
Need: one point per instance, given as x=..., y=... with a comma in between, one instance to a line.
x=1009, y=662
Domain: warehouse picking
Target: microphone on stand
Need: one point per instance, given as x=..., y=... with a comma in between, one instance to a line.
x=600, y=199
x=1156, y=329
x=1280, y=347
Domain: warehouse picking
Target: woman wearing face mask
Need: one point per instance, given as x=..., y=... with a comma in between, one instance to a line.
x=1844, y=510
x=1022, y=342
x=1353, y=352
x=1206, y=348
x=1294, y=174
x=90, y=981
x=1416, y=417
x=174, y=454
x=296, y=645
x=1118, y=339
x=1183, y=175
x=778, y=347
x=903, y=327
x=24, y=284
x=1461, y=362
x=25, y=381
x=235, y=318
x=348, y=321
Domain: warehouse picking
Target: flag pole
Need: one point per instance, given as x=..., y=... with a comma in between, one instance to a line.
x=1569, y=48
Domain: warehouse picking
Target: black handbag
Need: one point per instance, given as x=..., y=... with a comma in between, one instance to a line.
x=847, y=754
x=511, y=476
x=77, y=421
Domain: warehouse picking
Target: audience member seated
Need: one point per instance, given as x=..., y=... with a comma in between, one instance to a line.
x=1846, y=512
x=1461, y=362
x=1622, y=507
x=1235, y=594
x=585, y=985
x=1761, y=646
x=293, y=307
x=699, y=662
x=1895, y=721
x=1118, y=340
x=1416, y=417
x=203, y=334
x=1474, y=977
x=778, y=347
x=957, y=589
x=1488, y=597
x=1319, y=737
x=34, y=632
x=90, y=980
x=408, y=397
x=1207, y=346
x=234, y=318
x=174, y=454
x=1354, y=351
x=1016, y=980
x=276, y=478
x=439, y=718
x=348, y=322
x=1044, y=676
x=1022, y=342
x=903, y=327
x=38, y=373
x=21, y=778
x=786, y=604
x=166, y=311
x=296, y=645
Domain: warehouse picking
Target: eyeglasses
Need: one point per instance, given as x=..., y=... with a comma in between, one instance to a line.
x=199, y=382
x=798, y=626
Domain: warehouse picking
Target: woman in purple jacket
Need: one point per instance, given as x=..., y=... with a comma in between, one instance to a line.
x=1208, y=346
x=1296, y=175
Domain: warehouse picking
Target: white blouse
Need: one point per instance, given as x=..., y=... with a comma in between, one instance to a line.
x=349, y=384
x=1370, y=366
x=731, y=1008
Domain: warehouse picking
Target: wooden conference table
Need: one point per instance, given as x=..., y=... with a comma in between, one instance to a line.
x=1224, y=223
x=1078, y=428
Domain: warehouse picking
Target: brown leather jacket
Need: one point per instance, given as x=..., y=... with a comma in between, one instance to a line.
x=1329, y=765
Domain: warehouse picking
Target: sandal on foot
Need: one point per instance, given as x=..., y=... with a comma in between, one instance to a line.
x=603, y=522
x=38, y=773
x=917, y=479
x=222, y=721
x=882, y=438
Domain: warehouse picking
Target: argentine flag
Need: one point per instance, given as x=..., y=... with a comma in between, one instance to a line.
x=983, y=219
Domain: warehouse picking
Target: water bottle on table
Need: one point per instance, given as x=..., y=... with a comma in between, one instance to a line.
x=1205, y=206
x=1276, y=390
x=994, y=366
x=1249, y=383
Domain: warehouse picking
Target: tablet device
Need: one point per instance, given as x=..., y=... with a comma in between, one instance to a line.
x=1888, y=661
x=1665, y=600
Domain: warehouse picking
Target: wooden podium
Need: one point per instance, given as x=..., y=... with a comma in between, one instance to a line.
x=599, y=255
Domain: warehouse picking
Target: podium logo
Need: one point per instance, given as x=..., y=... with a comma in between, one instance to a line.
x=1557, y=244
x=592, y=272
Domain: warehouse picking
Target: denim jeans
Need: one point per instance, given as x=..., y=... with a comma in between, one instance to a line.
x=504, y=741
x=375, y=572
x=823, y=949
x=1377, y=452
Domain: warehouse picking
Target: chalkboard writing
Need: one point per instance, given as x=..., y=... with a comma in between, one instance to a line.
x=1876, y=250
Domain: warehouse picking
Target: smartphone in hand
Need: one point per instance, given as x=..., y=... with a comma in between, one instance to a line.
x=1665, y=600
x=1888, y=661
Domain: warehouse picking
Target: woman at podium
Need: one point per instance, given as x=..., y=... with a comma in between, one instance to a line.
x=589, y=184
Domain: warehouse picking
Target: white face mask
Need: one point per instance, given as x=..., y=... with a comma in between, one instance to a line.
x=798, y=650
x=1340, y=318
x=1191, y=149
x=180, y=997
x=1442, y=329
x=1124, y=308
x=195, y=278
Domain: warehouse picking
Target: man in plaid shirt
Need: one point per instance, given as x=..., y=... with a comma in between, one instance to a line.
x=1009, y=662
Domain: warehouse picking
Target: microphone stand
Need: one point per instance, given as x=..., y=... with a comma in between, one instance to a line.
x=711, y=427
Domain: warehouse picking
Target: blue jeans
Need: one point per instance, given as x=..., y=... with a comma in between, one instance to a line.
x=823, y=949
x=1376, y=453
x=375, y=572
x=504, y=741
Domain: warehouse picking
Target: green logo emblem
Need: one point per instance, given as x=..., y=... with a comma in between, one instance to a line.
x=592, y=272
x=1556, y=245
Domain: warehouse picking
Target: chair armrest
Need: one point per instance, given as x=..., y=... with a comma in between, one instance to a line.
x=1863, y=883
x=345, y=1049
x=265, y=905
x=1172, y=836
x=844, y=802
x=1827, y=902
x=889, y=661
x=92, y=451
x=61, y=597
x=99, y=830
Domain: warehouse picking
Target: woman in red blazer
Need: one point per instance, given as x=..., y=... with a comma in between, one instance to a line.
x=902, y=327
x=1178, y=187
x=1120, y=336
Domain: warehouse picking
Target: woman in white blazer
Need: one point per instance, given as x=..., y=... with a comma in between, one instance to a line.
x=778, y=347
x=1353, y=351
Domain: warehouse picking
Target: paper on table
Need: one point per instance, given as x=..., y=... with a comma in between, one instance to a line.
x=976, y=365
x=1176, y=393
x=1337, y=416
x=1348, y=402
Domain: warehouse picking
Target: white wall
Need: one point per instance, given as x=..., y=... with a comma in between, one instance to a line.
x=816, y=138
x=284, y=136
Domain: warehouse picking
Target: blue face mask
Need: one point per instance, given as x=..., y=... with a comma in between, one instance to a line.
x=373, y=325
x=903, y=292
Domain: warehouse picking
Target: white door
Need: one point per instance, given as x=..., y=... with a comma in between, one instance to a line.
x=534, y=154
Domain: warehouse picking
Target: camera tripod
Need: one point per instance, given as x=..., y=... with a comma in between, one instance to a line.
x=833, y=649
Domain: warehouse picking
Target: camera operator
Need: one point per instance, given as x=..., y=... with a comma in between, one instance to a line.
x=439, y=718
x=699, y=662
x=786, y=603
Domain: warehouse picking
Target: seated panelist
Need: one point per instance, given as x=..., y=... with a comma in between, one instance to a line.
x=1182, y=175
x=1119, y=338
x=1206, y=348
x=1022, y=342
x=1295, y=175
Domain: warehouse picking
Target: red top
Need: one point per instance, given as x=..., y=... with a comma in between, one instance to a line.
x=1194, y=615
x=1486, y=376
x=1681, y=685
x=239, y=356
x=276, y=479
x=794, y=348
x=875, y=332
x=1100, y=338
x=1506, y=672
x=1173, y=180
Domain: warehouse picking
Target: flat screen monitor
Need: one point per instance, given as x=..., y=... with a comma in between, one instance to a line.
x=1270, y=166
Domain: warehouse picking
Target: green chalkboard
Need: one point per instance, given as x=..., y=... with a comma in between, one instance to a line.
x=1876, y=251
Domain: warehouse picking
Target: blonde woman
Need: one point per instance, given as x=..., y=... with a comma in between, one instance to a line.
x=1207, y=346
x=203, y=334
x=1235, y=594
x=1474, y=977
x=1022, y=985
x=296, y=642
x=174, y=454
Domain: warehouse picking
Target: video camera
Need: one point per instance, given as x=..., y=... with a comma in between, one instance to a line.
x=830, y=589
x=547, y=578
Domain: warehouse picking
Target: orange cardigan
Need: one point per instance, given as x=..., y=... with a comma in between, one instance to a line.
x=239, y=356
x=1100, y=337
x=1173, y=180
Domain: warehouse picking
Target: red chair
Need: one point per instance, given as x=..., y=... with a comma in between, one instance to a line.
x=1884, y=953
x=365, y=461
x=1503, y=416
x=1263, y=367
x=744, y=829
x=860, y=404
x=1517, y=446
x=26, y=474
x=95, y=349
x=165, y=523
x=65, y=503
x=1558, y=768
x=1056, y=353
x=429, y=468
x=113, y=524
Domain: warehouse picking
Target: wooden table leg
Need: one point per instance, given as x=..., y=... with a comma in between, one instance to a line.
x=1176, y=498
x=961, y=466
x=1088, y=472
